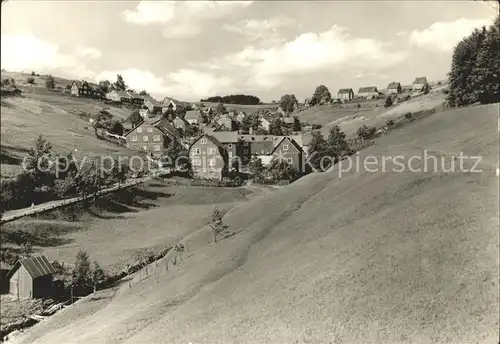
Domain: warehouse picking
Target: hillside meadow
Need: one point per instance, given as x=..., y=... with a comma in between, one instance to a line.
x=369, y=257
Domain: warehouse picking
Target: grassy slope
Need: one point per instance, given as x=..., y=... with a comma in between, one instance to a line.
x=351, y=119
x=246, y=108
x=112, y=236
x=369, y=258
x=55, y=116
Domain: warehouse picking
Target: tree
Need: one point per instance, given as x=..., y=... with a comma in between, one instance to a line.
x=337, y=144
x=135, y=118
x=366, y=132
x=115, y=127
x=39, y=156
x=321, y=95
x=281, y=170
x=143, y=93
x=220, y=109
x=50, y=83
x=246, y=125
x=30, y=80
x=82, y=272
x=486, y=73
x=463, y=88
x=388, y=102
x=105, y=86
x=174, y=151
x=296, y=124
x=217, y=225
x=98, y=275
x=317, y=149
x=120, y=83
x=255, y=121
x=256, y=168
x=276, y=127
x=27, y=248
x=288, y=103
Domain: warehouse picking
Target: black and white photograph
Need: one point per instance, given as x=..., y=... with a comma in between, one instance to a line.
x=250, y=172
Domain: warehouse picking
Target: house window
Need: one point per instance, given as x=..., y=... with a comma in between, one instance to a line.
x=157, y=148
x=203, y=141
x=230, y=154
x=150, y=130
x=285, y=147
x=139, y=130
x=145, y=138
x=289, y=160
x=196, y=162
x=156, y=138
x=197, y=151
x=133, y=138
x=211, y=162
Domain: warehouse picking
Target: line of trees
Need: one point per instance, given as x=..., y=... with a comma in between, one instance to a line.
x=47, y=177
x=475, y=69
x=241, y=99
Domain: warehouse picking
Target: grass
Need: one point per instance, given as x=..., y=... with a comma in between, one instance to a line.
x=370, y=257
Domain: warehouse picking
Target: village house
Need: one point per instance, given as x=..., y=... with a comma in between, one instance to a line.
x=152, y=137
x=394, y=88
x=119, y=97
x=256, y=145
x=229, y=140
x=169, y=104
x=193, y=117
x=30, y=278
x=420, y=83
x=10, y=91
x=288, y=150
x=152, y=104
x=264, y=123
x=85, y=89
x=239, y=116
x=181, y=123
x=345, y=94
x=135, y=98
x=370, y=92
x=209, y=159
x=227, y=123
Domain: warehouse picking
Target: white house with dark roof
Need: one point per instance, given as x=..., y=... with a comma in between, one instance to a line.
x=345, y=94
x=369, y=92
x=394, y=88
x=420, y=83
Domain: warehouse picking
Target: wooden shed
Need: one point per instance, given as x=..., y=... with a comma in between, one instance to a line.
x=31, y=278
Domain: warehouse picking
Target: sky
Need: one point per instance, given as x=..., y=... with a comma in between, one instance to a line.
x=191, y=50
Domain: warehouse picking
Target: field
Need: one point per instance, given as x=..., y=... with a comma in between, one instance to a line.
x=372, y=257
x=112, y=234
x=350, y=119
x=63, y=120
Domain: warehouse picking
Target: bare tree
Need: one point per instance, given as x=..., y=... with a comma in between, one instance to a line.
x=218, y=226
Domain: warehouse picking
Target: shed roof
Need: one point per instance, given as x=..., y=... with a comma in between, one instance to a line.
x=420, y=80
x=345, y=91
x=393, y=85
x=37, y=266
x=368, y=89
x=225, y=136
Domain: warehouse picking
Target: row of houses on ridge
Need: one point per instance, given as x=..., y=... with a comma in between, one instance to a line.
x=372, y=92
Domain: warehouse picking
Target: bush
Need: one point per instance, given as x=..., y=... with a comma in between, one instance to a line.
x=33, y=74
x=388, y=102
x=390, y=123
x=50, y=83
x=366, y=132
x=408, y=115
x=30, y=80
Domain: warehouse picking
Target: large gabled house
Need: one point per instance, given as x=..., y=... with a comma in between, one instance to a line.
x=119, y=97
x=135, y=98
x=181, y=123
x=29, y=278
x=85, y=89
x=288, y=150
x=370, y=92
x=152, y=104
x=420, y=83
x=345, y=94
x=169, y=104
x=208, y=157
x=152, y=136
x=394, y=88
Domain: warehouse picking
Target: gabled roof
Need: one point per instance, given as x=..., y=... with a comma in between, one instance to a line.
x=256, y=138
x=368, y=89
x=292, y=141
x=420, y=80
x=35, y=266
x=153, y=101
x=226, y=136
x=345, y=91
x=79, y=84
x=166, y=127
x=212, y=139
x=133, y=94
x=393, y=85
x=179, y=118
x=192, y=114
